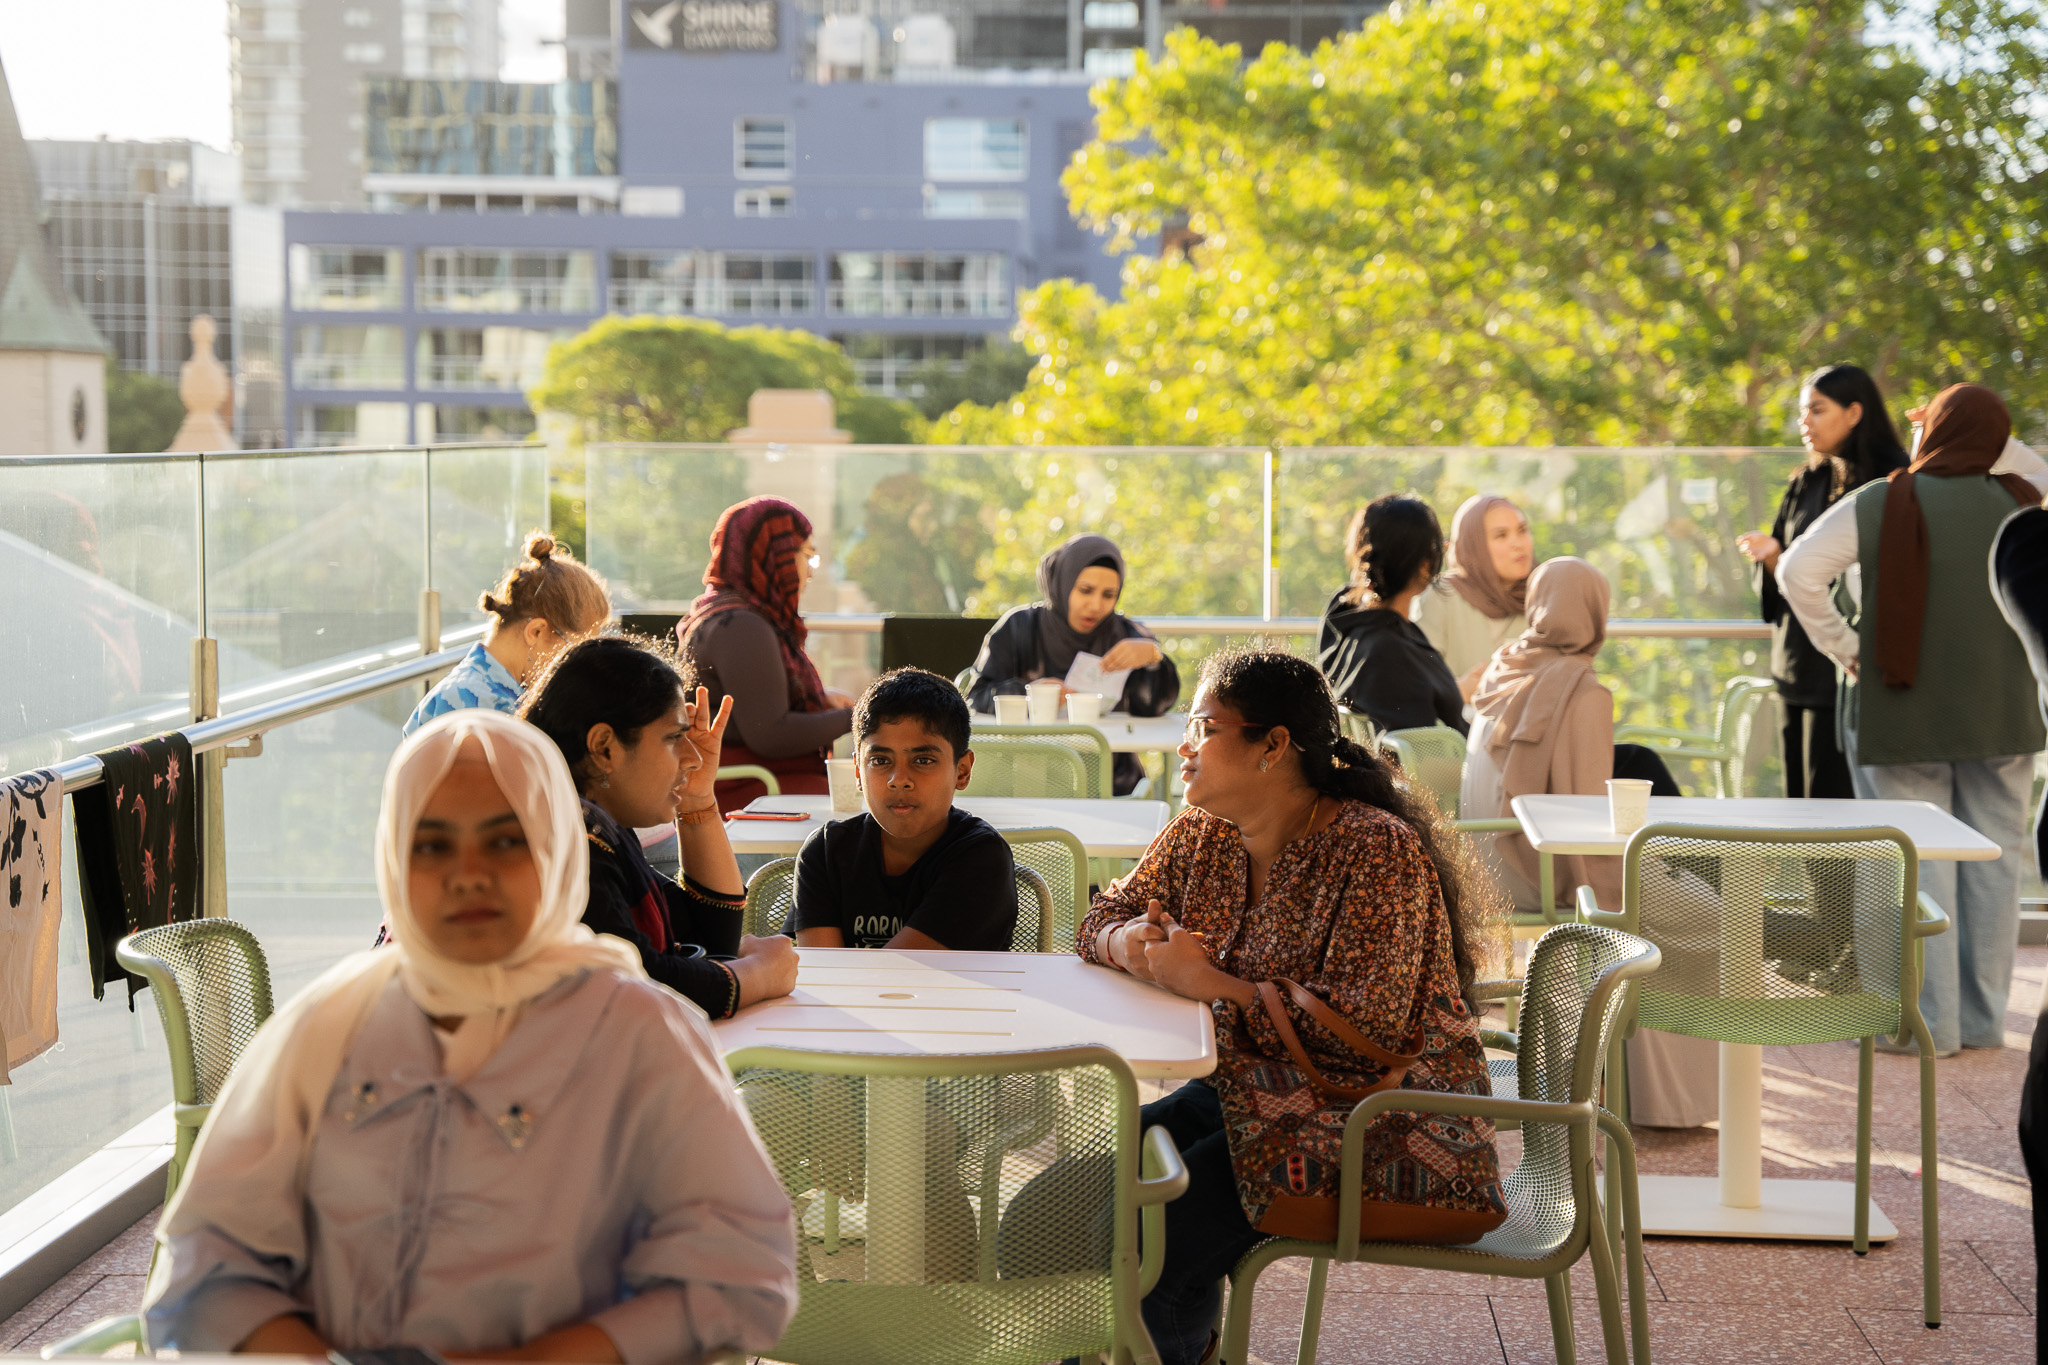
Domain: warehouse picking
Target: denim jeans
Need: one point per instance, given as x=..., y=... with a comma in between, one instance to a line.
x=1969, y=968
x=1206, y=1229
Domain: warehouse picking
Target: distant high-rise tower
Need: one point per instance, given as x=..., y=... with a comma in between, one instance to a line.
x=298, y=66
x=53, y=397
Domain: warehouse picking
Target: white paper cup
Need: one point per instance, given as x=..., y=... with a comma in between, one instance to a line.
x=1628, y=804
x=1084, y=708
x=1013, y=711
x=842, y=777
x=1044, y=696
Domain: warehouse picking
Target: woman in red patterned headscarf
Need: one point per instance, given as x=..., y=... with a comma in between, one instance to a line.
x=745, y=638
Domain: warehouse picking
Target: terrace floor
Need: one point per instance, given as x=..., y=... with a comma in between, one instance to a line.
x=1711, y=1302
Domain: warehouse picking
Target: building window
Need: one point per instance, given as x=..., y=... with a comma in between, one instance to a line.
x=357, y=18
x=480, y=280
x=762, y=146
x=884, y=362
x=482, y=359
x=354, y=278
x=758, y=284
x=940, y=203
x=353, y=424
x=325, y=357
x=452, y=423
x=366, y=53
x=974, y=148
x=919, y=284
x=770, y=201
x=654, y=281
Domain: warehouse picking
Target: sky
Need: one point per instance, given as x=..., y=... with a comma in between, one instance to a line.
x=149, y=69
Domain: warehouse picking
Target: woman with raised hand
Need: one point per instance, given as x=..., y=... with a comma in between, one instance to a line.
x=1480, y=604
x=542, y=603
x=1378, y=661
x=1080, y=584
x=744, y=639
x=404, y=1154
x=643, y=755
x=1849, y=441
x=1329, y=919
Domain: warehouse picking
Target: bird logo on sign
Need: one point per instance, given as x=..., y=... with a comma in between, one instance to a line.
x=658, y=25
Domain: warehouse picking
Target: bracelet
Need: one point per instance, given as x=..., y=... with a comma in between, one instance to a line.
x=702, y=816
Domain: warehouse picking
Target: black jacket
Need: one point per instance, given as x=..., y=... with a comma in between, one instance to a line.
x=1382, y=666
x=1805, y=676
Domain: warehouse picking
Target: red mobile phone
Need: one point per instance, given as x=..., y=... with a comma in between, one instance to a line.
x=768, y=815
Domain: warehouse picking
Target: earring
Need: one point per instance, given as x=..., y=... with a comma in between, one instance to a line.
x=1263, y=765
x=606, y=783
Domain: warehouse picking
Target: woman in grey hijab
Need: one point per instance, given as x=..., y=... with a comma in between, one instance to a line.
x=1082, y=582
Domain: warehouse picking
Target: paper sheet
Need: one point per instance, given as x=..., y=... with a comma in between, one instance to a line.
x=1086, y=674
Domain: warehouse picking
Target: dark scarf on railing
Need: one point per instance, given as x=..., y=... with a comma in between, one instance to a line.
x=754, y=551
x=1967, y=427
x=138, y=850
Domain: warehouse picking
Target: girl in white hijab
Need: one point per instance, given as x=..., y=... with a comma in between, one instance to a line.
x=497, y=1137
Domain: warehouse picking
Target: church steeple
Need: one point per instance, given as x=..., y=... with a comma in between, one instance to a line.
x=37, y=313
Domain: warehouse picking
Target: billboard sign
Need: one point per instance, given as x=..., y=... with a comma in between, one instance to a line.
x=704, y=25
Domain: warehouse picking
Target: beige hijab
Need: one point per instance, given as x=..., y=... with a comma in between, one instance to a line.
x=1530, y=684
x=265, y=1117
x=1473, y=576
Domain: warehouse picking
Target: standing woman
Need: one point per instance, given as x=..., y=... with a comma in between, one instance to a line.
x=1849, y=441
x=543, y=602
x=1482, y=603
x=1081, y=582
x=744, y=639
x=1378, y=661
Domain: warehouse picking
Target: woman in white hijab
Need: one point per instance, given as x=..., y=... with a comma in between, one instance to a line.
x=496, y=1138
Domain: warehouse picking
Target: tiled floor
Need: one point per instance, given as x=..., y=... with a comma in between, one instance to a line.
x=1711, y=1302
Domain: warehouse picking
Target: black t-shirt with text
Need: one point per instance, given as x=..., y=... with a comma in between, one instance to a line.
x=961, y=893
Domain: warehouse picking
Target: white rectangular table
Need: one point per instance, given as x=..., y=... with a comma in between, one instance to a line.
x=1130, y=734
x=1739, y=1202
x=901, y=1002
x=1106, y=827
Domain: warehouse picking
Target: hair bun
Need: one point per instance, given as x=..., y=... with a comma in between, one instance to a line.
x=539, y=546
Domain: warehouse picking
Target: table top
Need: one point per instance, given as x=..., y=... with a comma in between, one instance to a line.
x=918, y=1003
x=1107, y=827
x=1129, y=734
x=1579, y=824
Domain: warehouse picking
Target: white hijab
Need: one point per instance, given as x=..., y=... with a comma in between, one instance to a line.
x=263, y=1122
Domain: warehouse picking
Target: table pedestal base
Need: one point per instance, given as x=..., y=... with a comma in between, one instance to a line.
x=1809, y=1210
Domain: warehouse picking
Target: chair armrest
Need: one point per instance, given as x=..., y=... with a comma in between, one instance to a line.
x=1932, y=919
x=1164, y=1177
x=1624, y=734
x=1500, y=1040
x=98, y=1339
x=760, y=774
x=1505, y=824
x=1506, y=989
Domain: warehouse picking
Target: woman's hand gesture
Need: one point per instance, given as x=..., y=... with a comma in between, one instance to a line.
x=707, y=736
x=1135, y=652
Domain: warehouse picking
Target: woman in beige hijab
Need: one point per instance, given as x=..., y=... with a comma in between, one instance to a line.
x=1545, y=724
x=1481, y=604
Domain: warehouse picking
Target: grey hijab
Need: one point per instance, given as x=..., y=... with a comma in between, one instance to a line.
x=1058, y=641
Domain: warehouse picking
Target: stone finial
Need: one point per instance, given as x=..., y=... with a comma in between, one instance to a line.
x=790, y=417
x=204, y=386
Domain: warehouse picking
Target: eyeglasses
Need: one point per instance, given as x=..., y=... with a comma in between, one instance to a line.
x=1201, y=727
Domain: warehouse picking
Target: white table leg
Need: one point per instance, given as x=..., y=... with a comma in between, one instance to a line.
x=1742, y=1126
x=896, y=1178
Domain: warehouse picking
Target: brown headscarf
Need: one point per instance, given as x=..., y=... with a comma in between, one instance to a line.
x=1530, y=683
x=1474, y=577
x=1966, y=431
x=754, y=549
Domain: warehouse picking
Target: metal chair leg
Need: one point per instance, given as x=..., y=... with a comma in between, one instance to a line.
x=1558, y=1290
x=1623, y=1154
x=1237, y=1319
x=1312, y=1311
x=1607, y=1291
x=1866, y=1053
x=1930, y=1186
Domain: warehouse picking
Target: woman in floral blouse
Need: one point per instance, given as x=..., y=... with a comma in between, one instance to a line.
x=1299, y=858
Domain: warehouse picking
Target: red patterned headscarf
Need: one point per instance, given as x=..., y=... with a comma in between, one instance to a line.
x=754, y=552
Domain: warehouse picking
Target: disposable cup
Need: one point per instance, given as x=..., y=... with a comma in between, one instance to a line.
x=1084, y=708
x=1044, y=696
x=842, y=778
x=1012, y=711
x=1628, y=804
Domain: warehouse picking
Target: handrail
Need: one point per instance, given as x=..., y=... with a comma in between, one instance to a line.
x=1619, y=628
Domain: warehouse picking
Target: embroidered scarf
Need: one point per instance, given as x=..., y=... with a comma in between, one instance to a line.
x=138, y=849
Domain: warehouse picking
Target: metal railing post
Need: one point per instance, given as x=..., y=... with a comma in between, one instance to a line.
x=1269, y=572
x=209, y=769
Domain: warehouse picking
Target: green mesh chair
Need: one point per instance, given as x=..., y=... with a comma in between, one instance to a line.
x=754, y=770
x=1027, y=769
x=1434, y=756
x=1357, y=727
x=1010, y=1187
x=1088, y=745
x=1784, y=937
x=211, y=984
x=1725, y=748
x=1060, y=860
x=771, y=892
x=1571, y=1002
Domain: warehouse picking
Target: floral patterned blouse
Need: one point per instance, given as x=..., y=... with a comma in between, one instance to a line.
x=1354, y=913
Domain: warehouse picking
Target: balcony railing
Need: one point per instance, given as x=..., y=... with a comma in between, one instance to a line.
x=345, y=293
x=348, y=372
x=765, y=299
x=489, y=294
x=470, y=374
x=918, y=300
x=654, y=296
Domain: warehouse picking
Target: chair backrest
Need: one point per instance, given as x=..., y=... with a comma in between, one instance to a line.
x=1062, y=862
x=1004, y=766
x=1434, y=756
x=1774, y=936
x=1572, y=1000
x=939, y=644
x=1742, y=700
x=1087, y=743
x=1041, y=1264
x=771, y=891
x=1033, y=933
x=1357, y=727
x=212, y=988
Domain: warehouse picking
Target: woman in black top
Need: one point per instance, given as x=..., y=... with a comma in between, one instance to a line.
x=1850, y=441
x=1377, y=659
x=1082, y=582
x=615, y=708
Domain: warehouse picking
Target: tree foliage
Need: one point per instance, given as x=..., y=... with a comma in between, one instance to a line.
x=1549, y=222
x=143, y=410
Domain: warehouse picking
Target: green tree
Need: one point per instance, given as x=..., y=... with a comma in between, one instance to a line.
x=143, y=411
x=992, y=375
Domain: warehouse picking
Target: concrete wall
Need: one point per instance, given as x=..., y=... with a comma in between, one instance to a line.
x=39, y=391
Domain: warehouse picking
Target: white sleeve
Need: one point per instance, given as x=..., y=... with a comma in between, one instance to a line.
x=1806, y=574
x=2019, y=458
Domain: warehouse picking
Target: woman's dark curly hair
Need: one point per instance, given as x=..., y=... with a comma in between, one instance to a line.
x=1388, y=543
x=1271, y=688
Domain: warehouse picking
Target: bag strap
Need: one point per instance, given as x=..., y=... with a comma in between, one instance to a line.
x=1397, y=1064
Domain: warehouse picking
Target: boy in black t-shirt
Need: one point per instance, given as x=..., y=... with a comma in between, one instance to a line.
x=912, y=872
